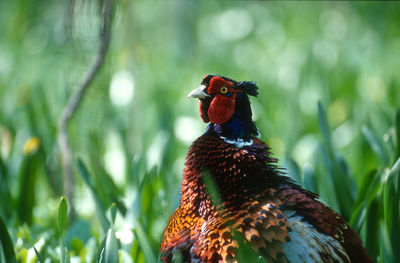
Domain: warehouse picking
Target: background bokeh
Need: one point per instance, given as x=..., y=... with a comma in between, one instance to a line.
x=135, y=124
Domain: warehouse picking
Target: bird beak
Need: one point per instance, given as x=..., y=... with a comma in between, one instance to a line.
x=198, y=93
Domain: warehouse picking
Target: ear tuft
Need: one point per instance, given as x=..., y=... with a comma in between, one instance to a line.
x=249, y=87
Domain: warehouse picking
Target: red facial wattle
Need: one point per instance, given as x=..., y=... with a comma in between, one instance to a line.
x=217, y=99
x=203, y=112
x=221, y=109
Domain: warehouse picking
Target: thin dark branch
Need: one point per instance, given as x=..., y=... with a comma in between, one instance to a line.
x=76, y=98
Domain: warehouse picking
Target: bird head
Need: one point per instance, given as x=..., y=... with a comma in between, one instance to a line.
x=219, y=97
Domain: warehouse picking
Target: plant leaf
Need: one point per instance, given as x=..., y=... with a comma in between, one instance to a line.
x=62, y=214
x=113, y=212
x=111, y=247
x=324, y=126
x=100, y=211
x=39, y=257
x=376, y=144
x=372, y=224
x=309, y=180
x=144, y=241
x=293, y=170
x=391, y=202
x=100, y=250
x=386, y=252
x=397, y=126
x=359, y=216
x=6, y=243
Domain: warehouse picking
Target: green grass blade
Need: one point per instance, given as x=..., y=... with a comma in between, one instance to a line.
x=245, y=252
x=63, y=252
x=100, y=211
x=65, y=258
x=386, y=252
x=309, y=179
x=144, y=241
x=324, y=126
x=366, y=183
x=39, y=257
x=111, y=247
x=395, y=175
x=342, y=197
x=100, y=250
x=212, y=188
x=113, y=212
x=6, y=243
x=344, y=186
x=372, y=234
x=391, y=203
x=293, y=170
x=397, y=126
x=326, y=177
x=28, y=176
x=62, y=218
x=359, y=216
x=376, y=144
x=62, y=215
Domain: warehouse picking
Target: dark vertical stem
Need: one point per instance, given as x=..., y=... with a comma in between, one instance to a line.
x=76, y=98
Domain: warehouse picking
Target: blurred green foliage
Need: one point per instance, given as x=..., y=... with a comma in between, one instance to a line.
x=135, y=124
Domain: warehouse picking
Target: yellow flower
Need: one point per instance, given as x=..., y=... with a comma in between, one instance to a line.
x=31, y=145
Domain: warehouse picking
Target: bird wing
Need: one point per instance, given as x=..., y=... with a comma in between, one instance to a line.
x=178, y=235
x=263, y=225
x=312, y=215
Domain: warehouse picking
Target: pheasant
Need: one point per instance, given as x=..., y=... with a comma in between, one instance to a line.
x=253, y=198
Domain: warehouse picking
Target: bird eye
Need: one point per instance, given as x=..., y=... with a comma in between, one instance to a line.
x=224, y=90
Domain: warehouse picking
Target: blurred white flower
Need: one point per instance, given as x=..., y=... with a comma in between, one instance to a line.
x=122, y=88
